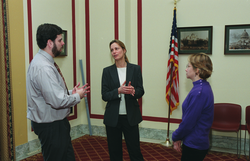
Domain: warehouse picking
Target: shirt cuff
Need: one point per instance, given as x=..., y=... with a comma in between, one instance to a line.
x=77, y=96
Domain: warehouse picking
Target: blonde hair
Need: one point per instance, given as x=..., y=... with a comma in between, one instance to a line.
x=204, y=64
x=121, y=44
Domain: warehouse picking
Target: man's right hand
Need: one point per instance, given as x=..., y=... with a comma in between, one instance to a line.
x=82, y=91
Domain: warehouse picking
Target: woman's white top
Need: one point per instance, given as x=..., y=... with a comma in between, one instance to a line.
x=122, y=78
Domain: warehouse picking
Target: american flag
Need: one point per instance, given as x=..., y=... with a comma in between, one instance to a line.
x=172, y=84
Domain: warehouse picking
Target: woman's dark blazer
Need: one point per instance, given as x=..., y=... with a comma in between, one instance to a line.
x=110, y=85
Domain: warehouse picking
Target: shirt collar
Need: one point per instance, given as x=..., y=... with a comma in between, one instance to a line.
x=45, y=54
x=199, y=81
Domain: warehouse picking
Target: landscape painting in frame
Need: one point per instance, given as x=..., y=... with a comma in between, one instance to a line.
x=193, y=40
x=237, y=40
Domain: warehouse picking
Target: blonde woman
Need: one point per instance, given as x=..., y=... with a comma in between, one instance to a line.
x=121, y=87
x=198, y=111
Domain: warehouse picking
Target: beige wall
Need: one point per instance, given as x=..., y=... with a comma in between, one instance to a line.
x=229, y=80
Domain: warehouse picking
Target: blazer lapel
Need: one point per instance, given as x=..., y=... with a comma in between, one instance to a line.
x=130, y=72
x=114, y=75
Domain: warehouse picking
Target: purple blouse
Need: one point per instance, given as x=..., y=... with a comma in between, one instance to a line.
x=197, y=117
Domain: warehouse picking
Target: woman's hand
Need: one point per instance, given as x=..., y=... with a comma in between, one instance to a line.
x=126, y=89
x=132, y=89
x=177, y=145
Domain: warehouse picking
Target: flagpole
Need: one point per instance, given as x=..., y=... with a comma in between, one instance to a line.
x=167, y=142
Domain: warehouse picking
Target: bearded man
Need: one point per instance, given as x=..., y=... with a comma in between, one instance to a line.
x=49, y=100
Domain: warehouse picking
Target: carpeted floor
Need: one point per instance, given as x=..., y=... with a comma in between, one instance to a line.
x=94, y=148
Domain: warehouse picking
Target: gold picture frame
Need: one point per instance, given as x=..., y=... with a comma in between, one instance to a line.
x=64, y=38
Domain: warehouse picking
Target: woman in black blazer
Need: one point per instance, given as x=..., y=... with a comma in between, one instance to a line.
x=121, y=87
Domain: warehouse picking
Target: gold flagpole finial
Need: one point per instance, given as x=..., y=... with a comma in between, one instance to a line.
x=175, y=1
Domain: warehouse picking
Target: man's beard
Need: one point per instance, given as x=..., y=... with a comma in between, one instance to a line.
x=55, y=51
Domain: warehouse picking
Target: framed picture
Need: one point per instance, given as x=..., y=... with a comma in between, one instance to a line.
x=64, y=50
x=195, y=39
x=237, y=40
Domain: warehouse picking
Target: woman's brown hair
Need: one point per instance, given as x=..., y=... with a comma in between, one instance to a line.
x=204, y=64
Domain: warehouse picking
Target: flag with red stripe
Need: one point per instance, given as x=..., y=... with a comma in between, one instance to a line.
x=172, y=84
